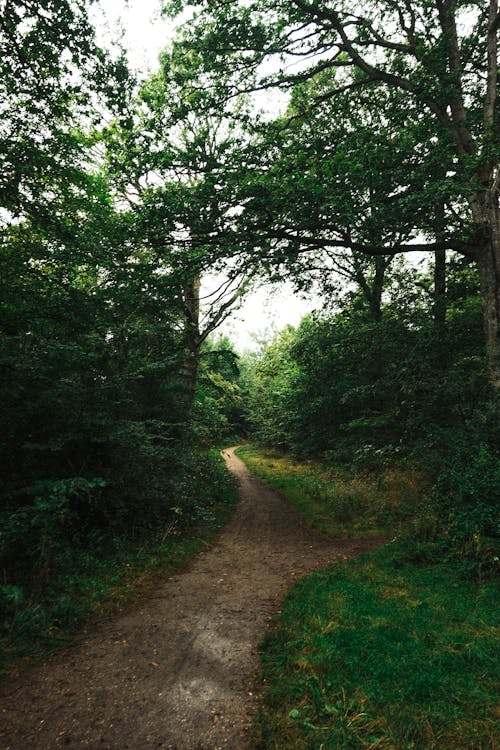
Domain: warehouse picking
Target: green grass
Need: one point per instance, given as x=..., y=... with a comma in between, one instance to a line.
x=338, y=502
x=95, y=582
x=365, y=655
x=375, y=652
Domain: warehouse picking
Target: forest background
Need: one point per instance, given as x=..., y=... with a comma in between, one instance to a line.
x=120, y=193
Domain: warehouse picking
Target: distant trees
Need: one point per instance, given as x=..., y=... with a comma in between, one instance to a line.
x=349, y=384
x=354, y=392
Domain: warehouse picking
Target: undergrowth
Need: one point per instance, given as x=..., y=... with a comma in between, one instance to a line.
x=92, y=580
x=341, y=503
x=387, y=651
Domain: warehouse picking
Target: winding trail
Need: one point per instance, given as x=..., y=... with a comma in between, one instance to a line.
x=176, y=671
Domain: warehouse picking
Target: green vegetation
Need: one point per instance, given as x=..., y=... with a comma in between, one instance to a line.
x=384, y=425
x=105, y=419
x=375, y=652
x=398, y=401
x=341, y=503
x=120, y=195
x=389, y=143
x=370, y=654
x=99, y=575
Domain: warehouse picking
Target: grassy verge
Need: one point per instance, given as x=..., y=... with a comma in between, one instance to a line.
x=375, y=652
x=368, y=656
x=97, y=581
x=337, y=502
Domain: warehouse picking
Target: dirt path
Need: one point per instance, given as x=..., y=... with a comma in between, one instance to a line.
x=176, y=671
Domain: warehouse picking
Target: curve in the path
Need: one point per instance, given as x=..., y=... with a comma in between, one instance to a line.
x=175, y=672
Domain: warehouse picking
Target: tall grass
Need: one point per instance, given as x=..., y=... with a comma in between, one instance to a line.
x=339, y=502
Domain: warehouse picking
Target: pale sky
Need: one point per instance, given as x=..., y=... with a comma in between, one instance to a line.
x=145, y=33
x=263, y=313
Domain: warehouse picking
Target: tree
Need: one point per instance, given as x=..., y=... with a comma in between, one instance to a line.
x=87, y=359
x=353, y=387
x=219, y=408
x=433, y=62
x=173, y=163
x=51, y=71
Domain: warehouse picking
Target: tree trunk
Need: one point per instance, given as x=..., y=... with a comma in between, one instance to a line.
x=440, y=289
x=440, y=274
x=372, y=290
x=192, y=340
x=488, y=263
x=189, y=374
x=381, y=265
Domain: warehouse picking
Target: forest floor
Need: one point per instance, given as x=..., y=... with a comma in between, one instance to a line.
x=176, y=671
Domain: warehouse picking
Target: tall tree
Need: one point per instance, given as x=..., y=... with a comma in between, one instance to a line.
x=51, y=70
x=79, y=338
x=439, y=57
x=174, y=164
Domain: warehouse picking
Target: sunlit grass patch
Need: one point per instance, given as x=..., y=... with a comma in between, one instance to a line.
x=338, y=502
x=365, y=655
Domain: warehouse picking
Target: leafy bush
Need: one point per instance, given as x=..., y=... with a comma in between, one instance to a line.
x=67, y=572
x=35, y=530
x=465, y=499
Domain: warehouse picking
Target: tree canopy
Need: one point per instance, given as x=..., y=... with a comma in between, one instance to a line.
x=121, y=195
x=428, y=69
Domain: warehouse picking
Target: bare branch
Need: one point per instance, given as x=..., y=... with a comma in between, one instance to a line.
x=308, y=242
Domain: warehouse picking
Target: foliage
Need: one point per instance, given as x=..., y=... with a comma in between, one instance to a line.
x=107, y=375
x=378, y=651
x=95, y=434
x=394, y=109
x=398, y=391
x=461, y=524
x=218, y=408
x=97, y=572
x=41, y=45
x=348, y=385
x=342, y=502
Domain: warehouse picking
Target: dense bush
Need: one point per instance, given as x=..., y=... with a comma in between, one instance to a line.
x=400, y=389
x=219, y=411
x=62, y=574
x=97, y=444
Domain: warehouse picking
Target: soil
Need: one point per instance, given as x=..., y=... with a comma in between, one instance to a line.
x=177, y=670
